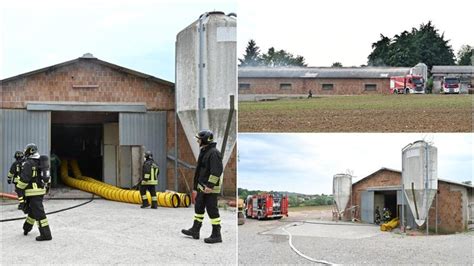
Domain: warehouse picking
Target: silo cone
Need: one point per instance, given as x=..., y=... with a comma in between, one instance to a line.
x=206, y=79
x=341, y=189
x=420, y=178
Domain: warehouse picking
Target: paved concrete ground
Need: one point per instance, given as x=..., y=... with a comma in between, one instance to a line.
x=107, y=232
x=264, y=242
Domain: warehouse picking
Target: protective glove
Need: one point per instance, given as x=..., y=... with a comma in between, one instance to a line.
x=22, y=206
x=9, y=181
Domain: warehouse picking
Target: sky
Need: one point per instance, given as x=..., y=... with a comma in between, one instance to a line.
x=306, y=162
x=139, y=35
x=343, y=31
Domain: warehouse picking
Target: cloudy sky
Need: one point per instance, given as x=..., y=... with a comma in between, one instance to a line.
x=325, y=32
x=306, y=162
x=135, y=34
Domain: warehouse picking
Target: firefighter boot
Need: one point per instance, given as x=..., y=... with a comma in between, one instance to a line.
x=27, y=228
x=154, y=204
x=193, y=231
x=145, y=204
x=45, y=234
x=215, y=236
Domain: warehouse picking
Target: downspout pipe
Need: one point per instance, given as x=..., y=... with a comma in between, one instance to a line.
x=201, y=99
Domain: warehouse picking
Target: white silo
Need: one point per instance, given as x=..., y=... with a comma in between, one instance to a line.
x=341, y=190
x=206, y=79
x=420, y=178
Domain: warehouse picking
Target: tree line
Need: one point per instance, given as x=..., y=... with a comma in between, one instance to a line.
x=424, y=44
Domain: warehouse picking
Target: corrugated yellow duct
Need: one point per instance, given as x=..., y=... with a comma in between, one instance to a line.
x=388, y=226
x=89, y=184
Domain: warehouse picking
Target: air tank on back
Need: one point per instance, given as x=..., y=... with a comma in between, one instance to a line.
x=341, y=189
x=206, y=79
x=420, y=177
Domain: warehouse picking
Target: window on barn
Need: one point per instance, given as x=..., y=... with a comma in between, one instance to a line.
x=244, y=86
x=370, y=87
x=328, y=87
x=285, y=86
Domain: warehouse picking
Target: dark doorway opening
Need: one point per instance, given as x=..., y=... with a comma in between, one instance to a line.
x=79, y=135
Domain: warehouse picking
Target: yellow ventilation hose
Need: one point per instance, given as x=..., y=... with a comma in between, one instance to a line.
x=89, y=184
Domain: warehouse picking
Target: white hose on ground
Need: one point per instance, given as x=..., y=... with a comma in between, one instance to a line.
x=301, y=254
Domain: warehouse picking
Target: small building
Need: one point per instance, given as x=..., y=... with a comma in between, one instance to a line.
x=320, y=80
x=101, y=114
x=464, y=73
x=451, y=208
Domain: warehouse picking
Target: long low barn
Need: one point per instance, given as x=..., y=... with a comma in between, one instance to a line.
x=320, y=80
x=464, y=73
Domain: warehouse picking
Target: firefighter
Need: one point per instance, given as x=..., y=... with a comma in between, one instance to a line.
x=14, y=175
x=33, y=180
x=207, y=183
x=149, y=180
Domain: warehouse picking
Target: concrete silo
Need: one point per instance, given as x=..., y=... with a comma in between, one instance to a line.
x=206, y=79
x=420, y=178
x=341, y=189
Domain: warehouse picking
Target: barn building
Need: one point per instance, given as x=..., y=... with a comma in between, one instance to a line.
x=320, y=80
x=464, y=73
x=451, y=210
x=102, y=114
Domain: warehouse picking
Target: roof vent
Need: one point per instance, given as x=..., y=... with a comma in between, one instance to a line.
x=87, y=55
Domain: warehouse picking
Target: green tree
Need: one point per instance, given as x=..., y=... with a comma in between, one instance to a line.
x=275, y=58
x=336, y=64
x=465, y=56
x=411, y=47
x=252, y=55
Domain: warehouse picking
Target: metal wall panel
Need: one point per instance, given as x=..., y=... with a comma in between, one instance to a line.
x=367, y=206
x=18, y=128
x=149, y=130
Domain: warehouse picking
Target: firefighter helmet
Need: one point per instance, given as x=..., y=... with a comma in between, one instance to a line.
x=206, y=136
x=18, y=155
x=148, y=155
x=30, y=149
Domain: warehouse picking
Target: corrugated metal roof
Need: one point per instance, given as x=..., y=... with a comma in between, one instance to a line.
x=453, y=69
x=90, y=58
x=321, y=72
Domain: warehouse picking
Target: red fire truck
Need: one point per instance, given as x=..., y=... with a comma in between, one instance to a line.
x=266, y=206
x=407, y=84
x=450, y=85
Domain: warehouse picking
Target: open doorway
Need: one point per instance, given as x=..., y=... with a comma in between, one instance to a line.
x=80, y=135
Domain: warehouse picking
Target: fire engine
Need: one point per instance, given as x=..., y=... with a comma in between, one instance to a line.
x=407, y=84
x=450, y=85
x=266, y=206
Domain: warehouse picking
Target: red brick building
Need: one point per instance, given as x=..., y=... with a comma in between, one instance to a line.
x=101, y=113
x=320, y=80
x=382, y=188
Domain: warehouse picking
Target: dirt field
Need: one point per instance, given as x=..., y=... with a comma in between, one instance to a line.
x=364, y=113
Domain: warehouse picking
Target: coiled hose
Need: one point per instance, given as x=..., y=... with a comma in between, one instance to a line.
x=89, y=184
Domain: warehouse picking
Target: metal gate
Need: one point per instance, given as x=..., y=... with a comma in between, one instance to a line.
x=148, y=130
x=367, y=206
x=18, y=128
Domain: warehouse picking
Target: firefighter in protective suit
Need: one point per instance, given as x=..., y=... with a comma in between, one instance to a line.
x=14, y=175
x=149, y=181
x=34, y=179
x=207, y=183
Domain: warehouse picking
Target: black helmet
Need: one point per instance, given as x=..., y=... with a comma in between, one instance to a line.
x=206, y=136
x=18, y=155
x=30, y=149
x=148, y=155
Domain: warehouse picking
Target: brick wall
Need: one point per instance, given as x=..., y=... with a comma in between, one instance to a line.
x=450, y=200
x=57, y=84
x=302, y=86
